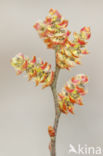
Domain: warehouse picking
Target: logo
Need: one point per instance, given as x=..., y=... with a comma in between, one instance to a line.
x=81, y=150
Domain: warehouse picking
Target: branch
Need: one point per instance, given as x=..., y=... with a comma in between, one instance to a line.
x=57, y=111
x=53, y=87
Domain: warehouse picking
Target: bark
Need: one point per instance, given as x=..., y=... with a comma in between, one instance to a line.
x=57, y=111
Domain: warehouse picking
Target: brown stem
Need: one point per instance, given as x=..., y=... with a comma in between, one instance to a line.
x=57, y=112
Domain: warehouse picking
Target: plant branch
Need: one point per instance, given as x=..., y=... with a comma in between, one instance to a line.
x=57, y=111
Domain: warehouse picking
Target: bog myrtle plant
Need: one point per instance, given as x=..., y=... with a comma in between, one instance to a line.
x=53, y=30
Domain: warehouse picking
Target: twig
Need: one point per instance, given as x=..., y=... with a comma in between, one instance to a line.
x=57, y=111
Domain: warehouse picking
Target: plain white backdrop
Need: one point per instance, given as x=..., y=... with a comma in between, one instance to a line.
x=26, y=110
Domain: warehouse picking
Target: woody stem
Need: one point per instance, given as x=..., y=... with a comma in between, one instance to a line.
x=57, y=111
